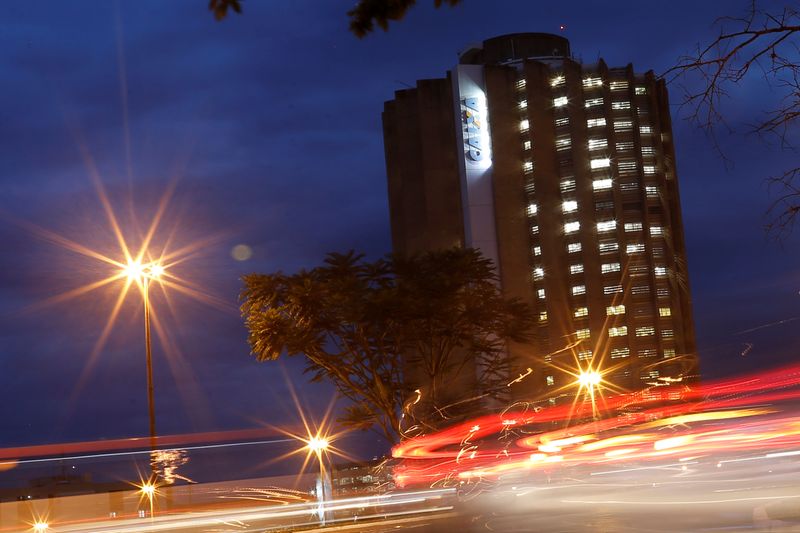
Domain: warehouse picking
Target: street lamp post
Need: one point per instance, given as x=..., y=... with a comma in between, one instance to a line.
x=144, y=274
x=149, y=355
x=319, y=446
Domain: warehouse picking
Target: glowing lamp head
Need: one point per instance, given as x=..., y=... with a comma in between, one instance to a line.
x=317, y=444
x=134, y=270
x=148, y=489
x=40, y=527
x=156, y=271
x=589, y=378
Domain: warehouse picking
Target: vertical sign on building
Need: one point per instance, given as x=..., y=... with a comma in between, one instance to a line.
x=472, y=133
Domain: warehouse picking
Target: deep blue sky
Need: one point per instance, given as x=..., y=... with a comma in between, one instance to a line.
x=274, y=117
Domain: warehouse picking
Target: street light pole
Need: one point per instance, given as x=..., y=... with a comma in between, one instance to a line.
x=149, y=354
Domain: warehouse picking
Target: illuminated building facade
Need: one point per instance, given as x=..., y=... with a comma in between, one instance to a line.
x=564, y=175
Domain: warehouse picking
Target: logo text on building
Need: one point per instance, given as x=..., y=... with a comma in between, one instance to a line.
x=472, y=120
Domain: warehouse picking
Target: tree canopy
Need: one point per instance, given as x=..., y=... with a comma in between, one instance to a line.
x=363, y=17
x=362, y=324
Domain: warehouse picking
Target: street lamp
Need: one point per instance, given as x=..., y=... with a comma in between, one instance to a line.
x=143, y=274
x=589, y=379
x=148, y=490
x=318, y=445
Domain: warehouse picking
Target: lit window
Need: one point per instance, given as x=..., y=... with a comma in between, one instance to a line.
x=663, y=292
x=562, y=121
x=645, y=331
x=653, y=374
x=647, y=352
x=645, y=129
x=527, y=167
x=625, y=146
x=567, y=185
x=532, y=209
x=595, y=122
x=560, y=101
x=612, y=289
x=537, y=250
x=620, y=105
x=608, y=247
x=606, y=226
x=557, y=81
x=526, y=145
x=584, y=355
x=651, y=191
x=523, y=104
x=669, y=352
x=521, y=84
x=623, y=125
x=576, y=269
x=592, y=82
x=605, y=268
x=601, y=184
x=629, y=187
x=664, y=311
x=648, y=151
x=620, y=331
x=535, y=229
x=538, y=273
x=649, y=170
x=550, y=380
x=592, y=102
x=619, y=85
x=583, y=334
x=640, y=91
x=578, y=290
x=660, y=271
x=572, y=227
x=656, y=230
x=524, y=125
x=569, y=206
x=542, y=316
x=574, y=247
x=619, y=353
x=626, y=167
x=603, y=162
x=563, y=143
x=633, y=226
x=540, y=293
x=581, y=312
x=598, y=144
x=612, y=310
x=640, y=289
x=636, y=248
x=667, y=333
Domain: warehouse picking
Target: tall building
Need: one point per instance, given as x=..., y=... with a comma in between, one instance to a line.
x=564, y=175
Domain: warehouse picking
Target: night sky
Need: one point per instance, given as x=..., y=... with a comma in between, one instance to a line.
x=271, y=123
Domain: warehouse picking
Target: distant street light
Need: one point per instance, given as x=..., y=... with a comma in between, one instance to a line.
x=318, y=445
x=589, y=379
x=148, y=490
x=41, y=527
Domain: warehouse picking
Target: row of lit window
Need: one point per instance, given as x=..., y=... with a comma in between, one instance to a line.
x=592, y=82
x=637, y=290
x=605, y=226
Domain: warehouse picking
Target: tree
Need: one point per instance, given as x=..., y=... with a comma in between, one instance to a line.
x=367, y=13
x=359, y=323
x=760, y=42
x=363, y=17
